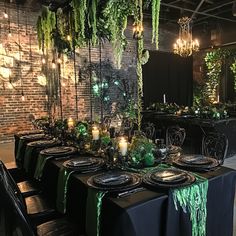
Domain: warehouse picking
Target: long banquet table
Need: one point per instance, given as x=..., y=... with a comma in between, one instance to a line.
x=147, y=212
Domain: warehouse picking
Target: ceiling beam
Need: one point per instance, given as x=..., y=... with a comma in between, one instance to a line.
x=197, y=8
x=199, y=13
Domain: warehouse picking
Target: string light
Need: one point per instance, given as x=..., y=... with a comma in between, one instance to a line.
x=22, y=96
x=5, y=15
x=59, y=61
x=53, y=64
x=43, y=60
x=68, y=37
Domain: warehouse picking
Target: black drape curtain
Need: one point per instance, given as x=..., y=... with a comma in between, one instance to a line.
x=169, y=74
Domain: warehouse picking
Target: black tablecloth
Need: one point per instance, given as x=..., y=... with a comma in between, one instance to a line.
x=148, y=212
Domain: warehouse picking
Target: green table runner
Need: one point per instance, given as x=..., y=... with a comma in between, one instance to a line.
x=64, y=175
x=41, y=162
x=193, y=199
x=93, y=211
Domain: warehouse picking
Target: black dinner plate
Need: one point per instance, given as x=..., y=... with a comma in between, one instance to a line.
x=41, y=143
x=28, y=132
x=84, y=164
x=33, y=136
x=187, y=180
x=196, y=159
x=54, y=151
x=196, y=167
x=133, y=182
x=169, y=176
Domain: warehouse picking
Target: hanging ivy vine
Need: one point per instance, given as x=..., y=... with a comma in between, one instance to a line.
x=116, y=14
x=233, y=69
x=155, y=21
x=213, y=62
x=45, y=25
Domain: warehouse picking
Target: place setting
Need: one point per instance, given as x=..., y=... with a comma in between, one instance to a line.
x=168, y=178
x=196, y=162
x=59, y=151
x=115, y=181
x=84, y=164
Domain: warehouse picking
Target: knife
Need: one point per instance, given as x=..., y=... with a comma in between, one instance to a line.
x=129, y=192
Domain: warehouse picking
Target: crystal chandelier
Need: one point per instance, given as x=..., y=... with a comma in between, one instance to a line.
x=184, y=45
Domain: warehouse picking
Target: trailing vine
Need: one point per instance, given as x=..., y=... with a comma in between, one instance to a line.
x=116, y=14
x=45, y=25
x=155, y=21
x=233, y=69
x=213, y=63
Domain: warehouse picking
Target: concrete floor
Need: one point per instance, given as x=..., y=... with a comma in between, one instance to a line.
x=7, y=155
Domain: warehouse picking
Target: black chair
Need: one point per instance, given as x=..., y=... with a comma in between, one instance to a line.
x=175, y=136
x=38, y=209
x=215, y=145
x=15, y=221
x=149, y=130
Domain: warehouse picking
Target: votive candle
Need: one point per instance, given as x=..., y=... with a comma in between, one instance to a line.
x=70, y=123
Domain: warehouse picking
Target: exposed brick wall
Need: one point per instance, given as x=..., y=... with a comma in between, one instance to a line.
x=26, y=67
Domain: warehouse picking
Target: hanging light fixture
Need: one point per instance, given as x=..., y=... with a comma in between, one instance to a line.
x=185, y=45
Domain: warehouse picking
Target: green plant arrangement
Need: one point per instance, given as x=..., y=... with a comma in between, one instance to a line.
x=233, y=69
x=141, y=152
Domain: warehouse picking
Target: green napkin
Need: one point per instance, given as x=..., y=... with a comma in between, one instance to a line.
x=64, y=175
x=27, y=157
x=93, y=211
x=41, y=162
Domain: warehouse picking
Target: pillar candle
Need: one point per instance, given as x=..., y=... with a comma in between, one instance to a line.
x=123, y=146
x=95, y=133
x=164, y=98
x=70, y=123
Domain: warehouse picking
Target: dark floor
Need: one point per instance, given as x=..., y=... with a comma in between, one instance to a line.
x=7, y=155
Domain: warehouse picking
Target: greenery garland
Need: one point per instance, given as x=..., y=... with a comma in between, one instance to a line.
x=213, y=63
x=233, y=69
x=155, y=21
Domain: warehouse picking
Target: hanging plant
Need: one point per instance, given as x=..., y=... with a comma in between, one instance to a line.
x=45, y=25
x=155, y=21
x=233, y=69
x=213, y=62
x=116, y=14
x=79, y=10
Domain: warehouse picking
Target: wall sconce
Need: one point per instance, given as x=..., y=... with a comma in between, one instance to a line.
x=137, y=31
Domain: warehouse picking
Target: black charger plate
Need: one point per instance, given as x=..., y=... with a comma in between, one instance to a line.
x=130, y=181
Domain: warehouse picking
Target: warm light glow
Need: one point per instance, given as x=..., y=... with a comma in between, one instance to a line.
x=5, y=15
x=95, y=133
x=70, y=123
x=53, y=65
x=68, y=37
x=184, y=45
x=137, y=31
x=9, y=34
x=123, y=146
x=22, y=97
x=59, y=61
x=43, y=60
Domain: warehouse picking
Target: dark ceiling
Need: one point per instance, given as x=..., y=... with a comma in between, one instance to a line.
x=201, y=11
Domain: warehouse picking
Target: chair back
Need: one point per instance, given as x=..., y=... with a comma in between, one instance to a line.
x=215, y=145
x=149, y=130
x=14, y=219
x=175, y=136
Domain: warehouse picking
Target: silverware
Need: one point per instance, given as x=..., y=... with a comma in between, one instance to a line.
x=129, y=192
